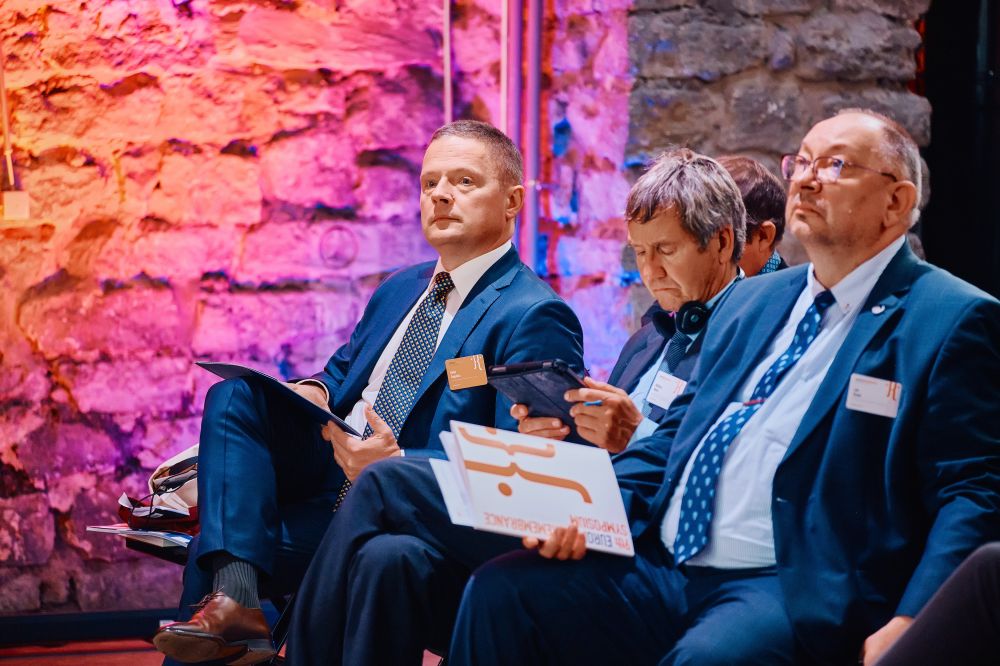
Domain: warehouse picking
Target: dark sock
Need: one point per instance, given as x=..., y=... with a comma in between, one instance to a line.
x=237, y=579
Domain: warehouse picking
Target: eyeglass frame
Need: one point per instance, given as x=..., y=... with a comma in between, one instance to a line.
x=835, y=161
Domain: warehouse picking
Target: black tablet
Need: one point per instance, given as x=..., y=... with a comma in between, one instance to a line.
x=539, y=385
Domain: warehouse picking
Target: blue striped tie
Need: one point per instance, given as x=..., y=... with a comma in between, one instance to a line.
x=410, y=362
x=698, y=501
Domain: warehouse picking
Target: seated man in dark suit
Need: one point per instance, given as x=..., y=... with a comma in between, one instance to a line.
x=269, y=480
x=687, y=259
x=764, y=197
x=386, y=581
x=833, y=460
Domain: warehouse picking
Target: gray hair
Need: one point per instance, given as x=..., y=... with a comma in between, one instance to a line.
x=704, y=194
x=504, y=154
x=899, y=150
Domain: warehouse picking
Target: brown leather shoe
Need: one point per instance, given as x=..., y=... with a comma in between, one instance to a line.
x=220, y=629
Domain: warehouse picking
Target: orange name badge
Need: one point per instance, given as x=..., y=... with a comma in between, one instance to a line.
x=466, y=372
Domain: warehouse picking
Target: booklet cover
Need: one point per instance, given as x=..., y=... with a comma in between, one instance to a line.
x=506, y=482
x=319, y=414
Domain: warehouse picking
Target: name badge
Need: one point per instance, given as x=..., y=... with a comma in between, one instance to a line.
x=874, y=396
x=465, y=372
x=665, y=388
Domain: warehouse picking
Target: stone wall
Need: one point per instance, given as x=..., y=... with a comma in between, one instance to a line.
x=224, y=180
x=230, y=179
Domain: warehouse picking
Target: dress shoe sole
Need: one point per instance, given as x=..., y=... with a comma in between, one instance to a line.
x=193, y=647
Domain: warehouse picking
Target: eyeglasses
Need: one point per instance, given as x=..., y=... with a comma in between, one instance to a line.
x=826, y=169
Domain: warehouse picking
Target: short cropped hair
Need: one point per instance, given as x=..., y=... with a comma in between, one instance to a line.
x=506, y=157
x=763, y=193
x=900, y=150
x=704, y=194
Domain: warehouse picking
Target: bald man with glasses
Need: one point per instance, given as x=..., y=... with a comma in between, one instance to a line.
x=809, y=491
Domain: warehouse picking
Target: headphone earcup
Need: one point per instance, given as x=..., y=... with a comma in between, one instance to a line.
x=692, y=317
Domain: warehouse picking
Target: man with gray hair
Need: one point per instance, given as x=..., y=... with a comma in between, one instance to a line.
x=818, y=480
x=685, y=220
x=392, y=566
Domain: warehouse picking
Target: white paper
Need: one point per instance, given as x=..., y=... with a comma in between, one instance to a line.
x=527, y=486
x=665, y=388
x=453, y=493
x=874, y=396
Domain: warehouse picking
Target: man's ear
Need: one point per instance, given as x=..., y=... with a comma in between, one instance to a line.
x=902, y=201
x=725, y=238
x=765, y=233
x=515, y=201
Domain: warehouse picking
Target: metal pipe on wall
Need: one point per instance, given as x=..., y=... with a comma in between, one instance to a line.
x=515, y=60
x=446, y=48
x=529, y=224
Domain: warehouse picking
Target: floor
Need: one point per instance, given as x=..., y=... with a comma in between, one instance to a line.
x=100, y=653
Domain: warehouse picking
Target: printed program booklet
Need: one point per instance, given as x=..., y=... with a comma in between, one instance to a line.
x=521, y=485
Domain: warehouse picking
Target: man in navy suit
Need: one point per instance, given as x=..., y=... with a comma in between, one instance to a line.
x=818, y=480
x=269, y=480
x=386, y=581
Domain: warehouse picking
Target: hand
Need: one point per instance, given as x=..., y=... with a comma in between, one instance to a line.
x=539, y=426
x=609, y=425
x=354, y=454
x=565, y=543
x=310, y=392
x=879, y=643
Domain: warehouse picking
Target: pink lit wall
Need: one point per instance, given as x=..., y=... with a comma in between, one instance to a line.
x=230, y=179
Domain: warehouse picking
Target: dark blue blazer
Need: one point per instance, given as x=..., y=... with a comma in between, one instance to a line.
x=509, y=316
x=644, y=348
x=870, y=514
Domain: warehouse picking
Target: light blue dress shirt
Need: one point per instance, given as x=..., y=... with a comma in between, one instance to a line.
x=742, y=535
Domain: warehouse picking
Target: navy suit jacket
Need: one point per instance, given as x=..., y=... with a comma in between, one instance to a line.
x=510, y=316
x=870, y=513
x=645, y=346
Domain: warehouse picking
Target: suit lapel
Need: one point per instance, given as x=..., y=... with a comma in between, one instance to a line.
x=887, y=296
x=384, y=323
x=642, y=357
x=479, y=300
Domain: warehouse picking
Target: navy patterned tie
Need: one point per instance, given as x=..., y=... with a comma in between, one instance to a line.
x=772, y=264
x=406, y=371
x=676, y=349
x=698, y=501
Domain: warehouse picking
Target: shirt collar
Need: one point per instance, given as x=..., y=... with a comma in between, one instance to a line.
x=853, y=290
x=715, y=299
x=467, y=275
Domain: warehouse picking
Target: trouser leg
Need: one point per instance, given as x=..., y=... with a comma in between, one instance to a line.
x=393, y=525
x=961, y=622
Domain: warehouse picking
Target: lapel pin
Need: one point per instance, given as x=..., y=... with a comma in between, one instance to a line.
x=878, y=309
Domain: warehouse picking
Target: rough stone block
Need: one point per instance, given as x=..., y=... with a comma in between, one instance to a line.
x=329, y=250
x=160, y=440
x=69, y=318
x=379, y=114
x=169, y=253
x=287, y=40
x=27, y=531
x=63, y=448
x=311, y=169
x=765, y=7
x=680, y=46
x=856, y=47
x=195, y=187
x=664, y=115
x=132, y=386
x=911, y=111
x=905, y=9
x=21, y=591
x=140, y=583
x=388, y=190
x=274, y=325
x=764, y=115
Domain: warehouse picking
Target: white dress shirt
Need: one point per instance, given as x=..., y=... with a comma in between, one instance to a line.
x=741, y=534
x=464, y=278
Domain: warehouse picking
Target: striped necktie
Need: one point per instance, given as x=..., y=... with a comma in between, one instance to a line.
x=410, y=362
x=698, y=501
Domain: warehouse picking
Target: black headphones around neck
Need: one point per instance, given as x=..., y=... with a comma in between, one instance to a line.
x=691, y=317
